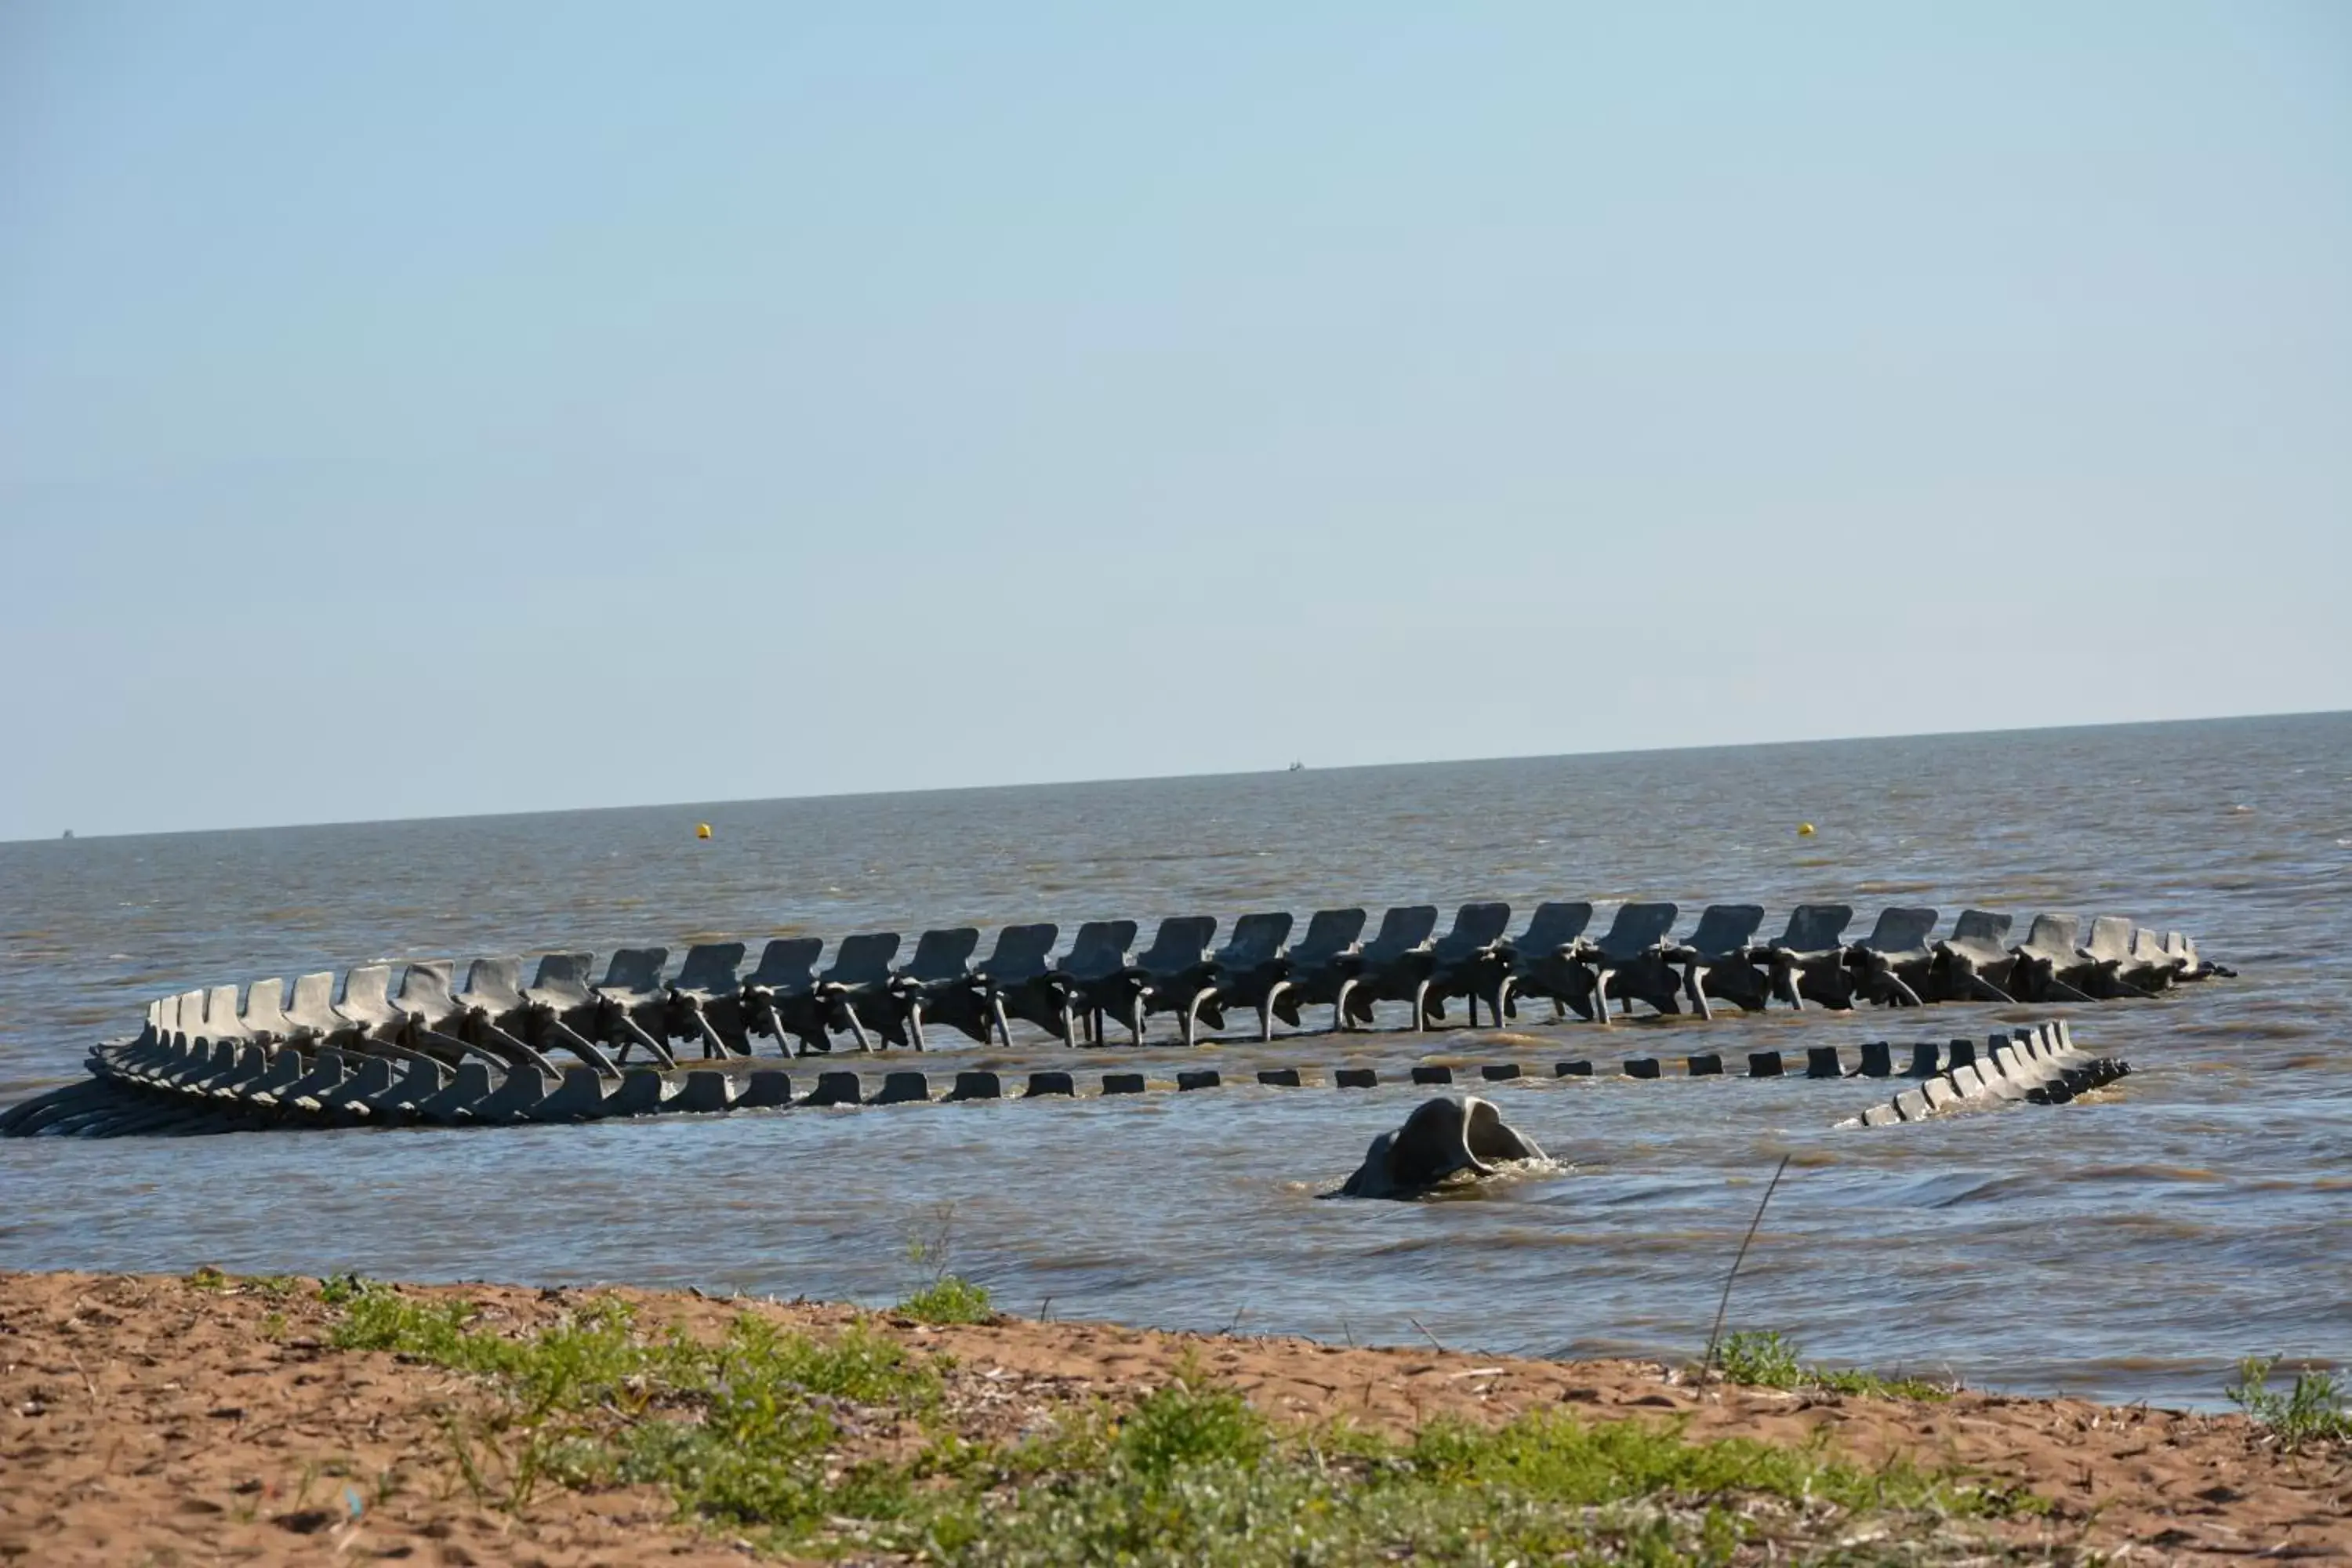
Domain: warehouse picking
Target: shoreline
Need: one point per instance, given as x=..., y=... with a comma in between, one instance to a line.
x=186, y=1418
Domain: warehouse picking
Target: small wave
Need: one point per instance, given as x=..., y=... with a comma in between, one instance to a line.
x=1950, y=1192
x=1506, y=1174
x=2148, y=1173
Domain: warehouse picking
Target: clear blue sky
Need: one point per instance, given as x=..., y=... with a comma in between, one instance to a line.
x=438, y=408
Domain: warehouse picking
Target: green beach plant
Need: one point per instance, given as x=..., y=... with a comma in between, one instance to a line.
x=950, y=1298
x=941, y=1296
x=756, y=1433
x=212, y=1278
x=2312, y=1410
x=341, y=1288
x=1762, y=1358
x=1769, y=1359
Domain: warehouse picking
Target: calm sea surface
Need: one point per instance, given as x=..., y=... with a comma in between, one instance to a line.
x=2130, y=1246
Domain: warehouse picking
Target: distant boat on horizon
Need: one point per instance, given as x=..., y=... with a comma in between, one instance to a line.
x=1295, y=767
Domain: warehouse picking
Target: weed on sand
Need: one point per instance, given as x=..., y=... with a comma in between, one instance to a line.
x=2312, y=1411
x=845, y=1445
x=949, y=1300
x=206, y=1276
x=1772, y=1360
x=943, y=1295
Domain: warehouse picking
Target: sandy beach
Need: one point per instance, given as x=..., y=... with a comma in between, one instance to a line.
x=168, y=1420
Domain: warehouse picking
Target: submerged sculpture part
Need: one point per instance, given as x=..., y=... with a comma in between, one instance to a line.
x=1447, y=1140
x=319, y=1046
x=2042, y=1065
x=178, y=1087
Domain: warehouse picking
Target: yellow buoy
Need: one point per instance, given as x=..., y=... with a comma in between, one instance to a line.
x=702, y=830
x=1804, y=830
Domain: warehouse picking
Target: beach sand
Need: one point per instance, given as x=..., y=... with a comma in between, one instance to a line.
x=154, y=1419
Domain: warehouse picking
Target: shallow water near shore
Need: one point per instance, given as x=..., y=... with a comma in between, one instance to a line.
x=2129, y=1245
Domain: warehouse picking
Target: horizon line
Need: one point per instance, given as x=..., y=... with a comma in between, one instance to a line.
x=71, y=836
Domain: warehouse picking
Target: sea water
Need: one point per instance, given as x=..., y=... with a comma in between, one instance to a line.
x=2132, y=1245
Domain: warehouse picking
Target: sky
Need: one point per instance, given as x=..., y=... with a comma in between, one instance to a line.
x=441, y=408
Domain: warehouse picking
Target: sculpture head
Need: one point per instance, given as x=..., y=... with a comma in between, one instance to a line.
x=1451, y=1139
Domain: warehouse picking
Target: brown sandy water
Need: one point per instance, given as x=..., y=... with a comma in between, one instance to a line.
x=2129, y=1245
